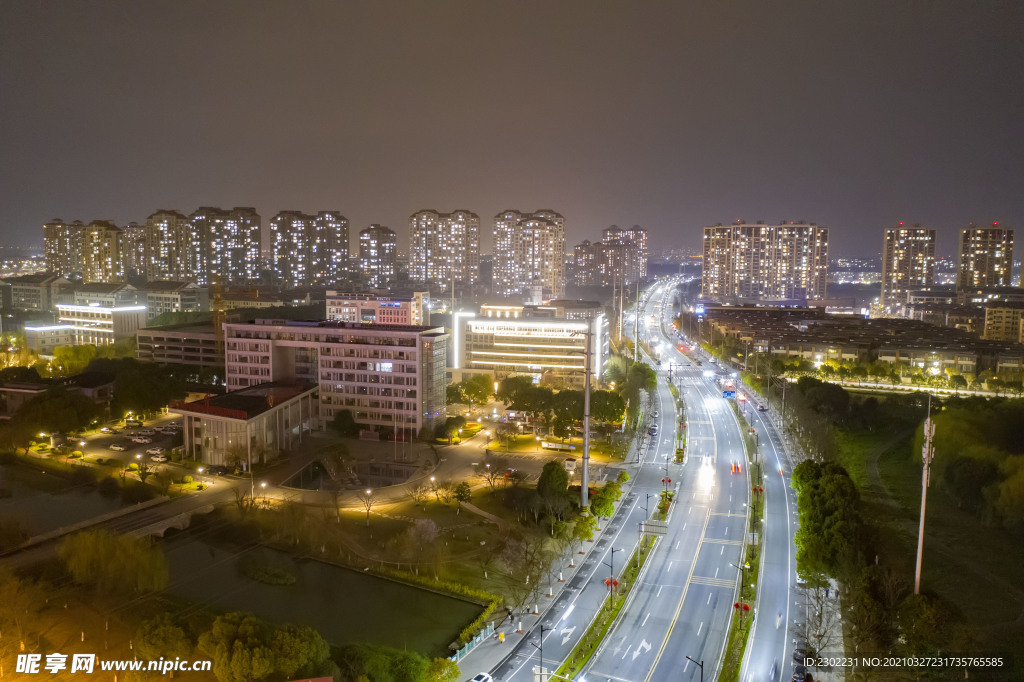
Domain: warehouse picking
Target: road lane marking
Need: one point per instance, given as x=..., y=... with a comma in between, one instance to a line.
x=700, y=628
x=649, y=615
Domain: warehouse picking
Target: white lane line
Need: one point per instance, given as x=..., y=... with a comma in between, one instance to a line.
x=700, y=628
x=649, y=615
x=677, y=545
x=659, y=591
x=628, y=647
x=669, y=567
x=709, y=597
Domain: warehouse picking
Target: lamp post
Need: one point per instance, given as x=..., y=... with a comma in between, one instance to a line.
x=740, y=606
x=611, y=582
x=368, y=503
x=701, y=664
x=540, y=647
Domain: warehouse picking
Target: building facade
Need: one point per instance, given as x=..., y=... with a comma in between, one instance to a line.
x=225, y=244
x=183, y=344
x=169, y=248
x=908, y=262
x=308, y=249
x=43, y=337
x=755, y=261
x=986, y=257
x=388, y=377
x=62, y=244
x=101, y=325
x=378, y=252
x=444, y=247
x=167, y=296
x=634, y=242
x=39, y=291
x=529, y=253
x=102, y=253
x=377, y=309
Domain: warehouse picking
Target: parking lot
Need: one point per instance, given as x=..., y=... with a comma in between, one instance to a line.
x=151, y=442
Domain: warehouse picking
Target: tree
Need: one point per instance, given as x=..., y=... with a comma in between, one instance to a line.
x=442, y=670
x=478, y=388
x=602, y=503
x=113, y=562
x=57, y=410
x=510, y=389
x=606, y=406
x=562, y=427
x=492, y=471
x=451, y=426
x=22, y=601
x=418, y=493
x=344, y=424
x=237, y=643
x=299, y=650
x=463, y=493
x=583, y=529
x=161, y=637
x=553, y=481
x=454, y=394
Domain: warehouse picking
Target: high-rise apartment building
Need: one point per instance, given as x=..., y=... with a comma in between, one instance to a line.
x=444, y=246
x=226, y=244
x=62, y=243
x=102, y=254
x=908, y=262
x=986, y=257
x=529, y=253
x=755, y=261
x=308, y=249
x=634, y=240
x=600, y=264
x=378, y=250
x=169, y=248
x=134, y=250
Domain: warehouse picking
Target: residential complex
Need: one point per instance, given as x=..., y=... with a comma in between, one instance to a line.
x=387, y=376
x=529, y=257
x=102, y=252
x=378, y=251
x=62, y=243
x=169, y=250
x=444, y=247
x=634, y=242
x=308, y=249
x=908, y=262
x=225, y=244
x=986, y=257
x=377, y=308
x=758, y=262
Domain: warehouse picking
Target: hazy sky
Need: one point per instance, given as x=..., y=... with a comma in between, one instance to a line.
x=674, y=115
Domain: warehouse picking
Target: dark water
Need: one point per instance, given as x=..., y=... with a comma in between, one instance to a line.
x=42, y=503
x=344, y=605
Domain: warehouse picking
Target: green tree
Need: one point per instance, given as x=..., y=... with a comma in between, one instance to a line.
x=463, y=492
x=237, y=644
x=57, y=410
x=22, y=601
x=606, y=406
x=112, y=562
x=299, y=650
x=478, y=388
x=442, y=670
x=583, y=529
x=451, y=426
x=454, y=394
x=511, y=388
x=553, y=481
x=602, y=502
x=162, y=637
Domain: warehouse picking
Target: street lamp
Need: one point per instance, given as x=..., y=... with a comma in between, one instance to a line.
x=368, y=503
x=611, y=582
x=701, y=664
x=540, y=647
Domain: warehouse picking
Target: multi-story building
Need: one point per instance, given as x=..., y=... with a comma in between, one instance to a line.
x=755, y=261
x=600, y=263
x=173, y=297
x=62, y=243
x=986, y=257
x=43, y=337
x=102, y=254
x=444, y=247
x=226, y=244
x=373, y=308
x=531, y=340
x=169, y=248
x=36, y=292
x=181, y=344
x=386, y=376
x=112, y=295
x=308, y=249
x=908, y=262
x=101, y=325
x=634, y=240
x=1003, y=322
x=135, y=256
x=529, y=253
x=378, y=251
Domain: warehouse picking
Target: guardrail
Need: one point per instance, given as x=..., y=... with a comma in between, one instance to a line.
x=474, y=643
x=64, y=530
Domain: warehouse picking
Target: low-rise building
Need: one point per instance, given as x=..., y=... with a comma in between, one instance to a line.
x=1002, y=322
x=42, y=337
x=180, y=344
x=109, y=294
x=100, y=325
x=378, y=308
x=252, y=425
x=173, y=297
x=36, y=292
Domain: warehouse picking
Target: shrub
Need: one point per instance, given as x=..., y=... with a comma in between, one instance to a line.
x=109, y=487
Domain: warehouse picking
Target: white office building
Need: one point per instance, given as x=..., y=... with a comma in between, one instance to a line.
x=101, y=325
x=378, y=309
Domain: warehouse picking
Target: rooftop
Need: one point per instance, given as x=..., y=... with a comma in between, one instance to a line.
x=245, y=403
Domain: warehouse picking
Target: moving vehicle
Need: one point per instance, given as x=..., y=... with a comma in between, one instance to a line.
x=482, y=677
x=762, y=408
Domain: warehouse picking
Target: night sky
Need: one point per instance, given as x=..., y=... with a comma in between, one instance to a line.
x=668, y=115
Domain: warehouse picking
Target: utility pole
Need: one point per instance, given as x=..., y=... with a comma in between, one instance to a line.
x=588, y=354
x=927, y=453
x=636, y=324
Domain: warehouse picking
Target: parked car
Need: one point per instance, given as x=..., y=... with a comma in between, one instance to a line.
x=167, y=431
x=141, y=439
x=217, y=470
x=762, y=408
x=155, y=451
x=147, y=432
x=109, y=429
x=158, y=458
x=118, y=447
x=655, y=414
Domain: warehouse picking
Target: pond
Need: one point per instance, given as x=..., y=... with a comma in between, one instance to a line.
x=343, y=605
x=43, y=502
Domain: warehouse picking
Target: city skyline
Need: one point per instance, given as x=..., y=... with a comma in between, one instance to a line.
x=884, y=124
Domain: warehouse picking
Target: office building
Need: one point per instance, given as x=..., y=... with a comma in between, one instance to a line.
x=759, y=262
x=225, y=244
x=62, y=244
x=42, y=337
x=101, y=325
x=529, y=254
x=372, y=308
x=167, y=296
x=102, y=254
x=388, y=377
x=308, y=249
x=39, y=291
x=169, y=248
x=378, y=251
x=908, y=262
x=444, y=247
x=181, y=344
x=112, y=295
x=539, y=341
x=986, y=257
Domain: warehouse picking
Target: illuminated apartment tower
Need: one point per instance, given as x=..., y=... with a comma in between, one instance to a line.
x=986, y=257
x=529, y=252
x=443, y=246
x=102, y=256
x=134, y=250
x=377, y=253
x=62, y=243
x=308, y=249
x=635, y=242
x=908, y=261
x=169, y=250
x=754, y=261
x=226, y=244
x=600, y=263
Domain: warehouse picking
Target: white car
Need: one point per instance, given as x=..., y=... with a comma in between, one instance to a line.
x=482, y=677
x=118, y=447
x=155, y=451
x=168, y=431
x=158, y=458
x=147, y=432
x=141, y=439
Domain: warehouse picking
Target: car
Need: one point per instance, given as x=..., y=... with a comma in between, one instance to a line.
x=118, y=447
x=167, y=432
x=655, y=414
x=109, y=429
x=132, y=422
x=155, y=451
x=482, y=677
x=147, y=432
x=217, y=470
x=799, y=673
x=762, y=408
x=158, y=458
x=801, y=581
x=141, y=439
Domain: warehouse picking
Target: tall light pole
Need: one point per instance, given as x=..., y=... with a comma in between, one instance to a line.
x=611, y=577
x=927, y=453
x=701, y=664
x=585, y=477
x=368, y=503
